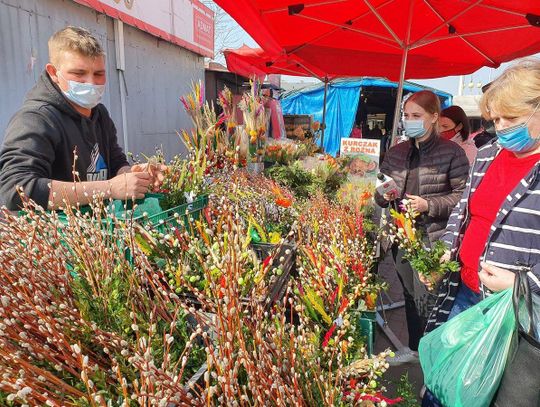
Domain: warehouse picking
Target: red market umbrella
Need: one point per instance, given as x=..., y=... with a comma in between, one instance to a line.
x=248, y=61
x=257, y=62
x=397, y=39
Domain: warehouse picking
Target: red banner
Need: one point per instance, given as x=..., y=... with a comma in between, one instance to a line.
x=203, y=29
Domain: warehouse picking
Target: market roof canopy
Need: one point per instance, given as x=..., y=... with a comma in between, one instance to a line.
x=354, y=37
x=248, y=61
x=344, y=99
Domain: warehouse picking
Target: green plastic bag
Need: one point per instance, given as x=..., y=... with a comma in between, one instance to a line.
x=464, y=359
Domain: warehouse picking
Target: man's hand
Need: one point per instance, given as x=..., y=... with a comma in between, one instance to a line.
x=418, y=204
x=496, y=278
x=130, y=185
x=155, y=171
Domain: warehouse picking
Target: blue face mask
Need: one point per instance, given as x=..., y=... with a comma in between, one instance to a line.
x=414, y=128
x=517, y=138
x=86, y=95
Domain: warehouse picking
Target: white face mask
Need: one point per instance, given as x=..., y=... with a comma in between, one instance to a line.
x=86, y=95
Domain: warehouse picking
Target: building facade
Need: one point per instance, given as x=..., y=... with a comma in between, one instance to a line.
x=148, y=69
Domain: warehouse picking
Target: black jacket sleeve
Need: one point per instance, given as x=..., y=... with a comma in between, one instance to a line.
x=26, y=159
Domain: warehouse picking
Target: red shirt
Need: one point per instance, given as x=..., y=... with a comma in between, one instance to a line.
x=502, y=176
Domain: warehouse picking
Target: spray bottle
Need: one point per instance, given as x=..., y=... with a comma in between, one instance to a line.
x=386, y=185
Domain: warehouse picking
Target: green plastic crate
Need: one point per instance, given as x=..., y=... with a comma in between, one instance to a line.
x=178, y=217
x=161, y=220
x=366, y=329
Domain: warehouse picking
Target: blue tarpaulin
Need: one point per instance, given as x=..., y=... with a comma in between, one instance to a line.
x=341, y=105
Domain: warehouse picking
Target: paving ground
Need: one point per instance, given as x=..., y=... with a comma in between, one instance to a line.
x=397, y=323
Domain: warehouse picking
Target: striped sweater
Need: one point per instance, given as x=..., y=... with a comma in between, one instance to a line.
x=514, y=238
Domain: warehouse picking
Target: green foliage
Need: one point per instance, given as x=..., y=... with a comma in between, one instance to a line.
x=182, y=178
x=4, y=401
x=405, y=391
x=294, y=177
x=109, y=303
x=428, y=262
x=327, y=178
x=109, y=310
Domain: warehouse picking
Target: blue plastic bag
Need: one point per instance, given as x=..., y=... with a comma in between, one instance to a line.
x=464, y=359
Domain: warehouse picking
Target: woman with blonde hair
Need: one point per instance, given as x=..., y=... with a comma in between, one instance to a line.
x=494, y=232
x=431, y=173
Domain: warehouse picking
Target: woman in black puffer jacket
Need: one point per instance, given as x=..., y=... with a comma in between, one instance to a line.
x=431, y=173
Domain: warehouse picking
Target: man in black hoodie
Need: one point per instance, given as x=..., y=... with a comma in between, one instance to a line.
x=62, y=145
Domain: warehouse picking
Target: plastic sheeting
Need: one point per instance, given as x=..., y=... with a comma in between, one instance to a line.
x=341, y=105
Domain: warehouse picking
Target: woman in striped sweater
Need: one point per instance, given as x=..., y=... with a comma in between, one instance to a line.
x=495, y=228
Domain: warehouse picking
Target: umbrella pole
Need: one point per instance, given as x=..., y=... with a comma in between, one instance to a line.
x=399, y=95
x=323, y=124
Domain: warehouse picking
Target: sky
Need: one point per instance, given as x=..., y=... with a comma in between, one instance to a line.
x=472, y=82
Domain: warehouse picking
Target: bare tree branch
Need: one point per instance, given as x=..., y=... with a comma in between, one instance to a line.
x=227, y=32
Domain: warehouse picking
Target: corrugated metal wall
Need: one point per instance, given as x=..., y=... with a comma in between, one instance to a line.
x=157, y=73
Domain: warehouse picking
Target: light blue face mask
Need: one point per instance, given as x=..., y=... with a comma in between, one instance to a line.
x=517, y=138
x=86, y=95
x=414, y=128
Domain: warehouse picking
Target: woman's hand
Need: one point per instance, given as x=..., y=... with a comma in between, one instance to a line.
x=430, y=281
x=496, y=278
x=445, y=258
x=390, y=196
x=418, y=204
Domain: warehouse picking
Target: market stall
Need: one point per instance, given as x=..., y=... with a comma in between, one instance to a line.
x=398, y=40
x=349, y=103
x=222, y=286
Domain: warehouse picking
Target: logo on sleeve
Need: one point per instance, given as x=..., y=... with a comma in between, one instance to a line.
x=97, y=170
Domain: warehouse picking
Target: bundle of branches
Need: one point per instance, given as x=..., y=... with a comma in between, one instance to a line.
x=185, y=179
x=329, y=291
x=255, y=355
x=88, y=320
x=80, y=324
x=205, y=120
x=402, y=229
x=342, y=232
x=254, y=115
x=268, y=210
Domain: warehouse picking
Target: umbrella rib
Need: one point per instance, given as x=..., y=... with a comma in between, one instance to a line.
x=385, y=40
x=470, y=34
x=445, y=22
x=310, y=71
x=286, y=56
x=320, y=37
x=291, y=71
x=322, y=3
x=385, y=24
x=502, y=10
